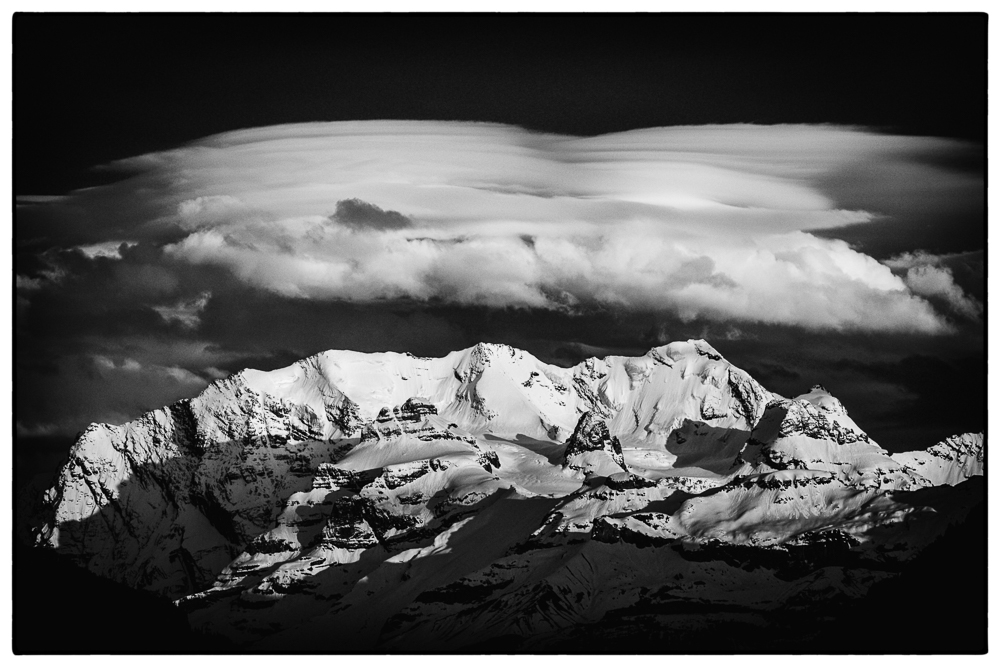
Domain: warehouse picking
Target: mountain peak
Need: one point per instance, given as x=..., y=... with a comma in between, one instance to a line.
x=693, y=347
x=824, y=400
x=495, y=351
x=592, y=449
x=351, y=487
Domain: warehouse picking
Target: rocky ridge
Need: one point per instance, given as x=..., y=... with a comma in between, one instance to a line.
x=389, y=500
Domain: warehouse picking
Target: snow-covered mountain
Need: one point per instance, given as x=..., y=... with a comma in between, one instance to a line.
x=359, y=501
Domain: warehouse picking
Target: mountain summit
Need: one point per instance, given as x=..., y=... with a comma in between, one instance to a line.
x=355, y=502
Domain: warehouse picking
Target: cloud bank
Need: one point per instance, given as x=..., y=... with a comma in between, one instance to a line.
x=711, y=222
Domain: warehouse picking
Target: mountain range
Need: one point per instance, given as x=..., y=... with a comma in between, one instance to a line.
x=383, y=502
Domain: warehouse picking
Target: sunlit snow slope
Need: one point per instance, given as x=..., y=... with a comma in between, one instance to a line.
x=357, y=501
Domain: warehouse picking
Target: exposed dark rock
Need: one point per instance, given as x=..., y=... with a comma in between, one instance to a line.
x=345, y=416
x=264, y=545
x=489, y=460
x=751, y=398
x=591, y=398
x=628, y=481
x=413, y=410
x=591, y=434
x=328, y=476
x=805, y=419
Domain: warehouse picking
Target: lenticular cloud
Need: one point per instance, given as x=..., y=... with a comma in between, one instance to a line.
x=710, y=222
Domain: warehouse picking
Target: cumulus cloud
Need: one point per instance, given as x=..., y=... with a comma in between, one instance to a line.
x=913, y=258
x=709, y=222
x=928, y=275
x=932, y=281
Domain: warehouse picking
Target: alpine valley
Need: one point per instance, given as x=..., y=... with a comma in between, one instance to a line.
x=486, y=501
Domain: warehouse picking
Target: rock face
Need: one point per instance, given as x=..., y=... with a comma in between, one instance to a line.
x=804, y=434
x=949, y=462
x=592, y=449
x=164, y=502
x=357, y=502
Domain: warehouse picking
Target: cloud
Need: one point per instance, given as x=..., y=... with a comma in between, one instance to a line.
x=99, y=387
x=109, y=249
x=927, y=275
x=186, y=312
x=922, y=198
x=192, y=213
x=907, y=260
x=258, y=247
x=27, y=284
x=933, y=281
x=126, y=365
x=717, y=222
x=358, y=214
x=792, y=278
x=36, y=430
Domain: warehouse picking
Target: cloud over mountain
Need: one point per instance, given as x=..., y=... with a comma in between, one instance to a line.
x=699, y=221
x=729, y=226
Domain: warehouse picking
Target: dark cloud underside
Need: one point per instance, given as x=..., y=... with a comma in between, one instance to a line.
x=359, y=214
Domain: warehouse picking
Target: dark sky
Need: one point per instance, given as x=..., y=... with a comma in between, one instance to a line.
x=90, y=89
